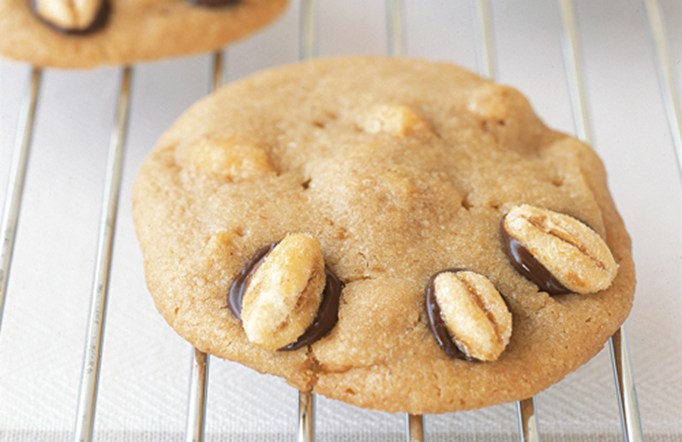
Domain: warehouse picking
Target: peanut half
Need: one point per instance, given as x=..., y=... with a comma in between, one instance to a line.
x=565, y=249
x=396, y=120
x=284, y=293
x=226, y=160
x=474, y=313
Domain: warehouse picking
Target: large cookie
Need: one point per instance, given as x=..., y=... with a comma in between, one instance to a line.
x=400, y=169
x=88, y=33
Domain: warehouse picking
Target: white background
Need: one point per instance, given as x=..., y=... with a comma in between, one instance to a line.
x=145, y=366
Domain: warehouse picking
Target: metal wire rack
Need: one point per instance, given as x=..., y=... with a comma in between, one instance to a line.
x=196, y=409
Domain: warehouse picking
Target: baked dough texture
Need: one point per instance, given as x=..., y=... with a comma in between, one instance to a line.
x=401, y=168
x=136, y=30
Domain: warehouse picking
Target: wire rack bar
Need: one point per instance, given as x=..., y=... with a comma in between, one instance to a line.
x=307, y=45
x=306, y=416
x=575, y=73
x=528, y=423
x=195, y=424
x=217, y=71
x=395, y=18
x=414, y=428
x=666, y=74
x=526, y=419
x=196, y=408
x=87, y=398
x=485, y=50
x=622, y=368
x=307, y=51
x=17, y=178
x=625, y=386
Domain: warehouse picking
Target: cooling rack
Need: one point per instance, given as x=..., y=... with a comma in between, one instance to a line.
x=396, y=36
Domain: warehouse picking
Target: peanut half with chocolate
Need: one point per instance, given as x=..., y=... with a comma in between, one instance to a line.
x=72, y=16
x=556, y=251
x=284, y=293
x=213, y=3
x=467, y=315
x=285, y=296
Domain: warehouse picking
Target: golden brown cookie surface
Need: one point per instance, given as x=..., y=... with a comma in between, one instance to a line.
x=89, y=33
x=401, y=169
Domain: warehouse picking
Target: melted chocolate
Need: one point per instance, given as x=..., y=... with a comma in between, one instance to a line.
x=436, y=323
x=238, y=287
x=525, y=263
x=327, y=314
x=97, y=24
x=213, y=3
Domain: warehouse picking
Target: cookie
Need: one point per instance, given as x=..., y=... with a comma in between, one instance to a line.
x=89, y=33
x=414, y=184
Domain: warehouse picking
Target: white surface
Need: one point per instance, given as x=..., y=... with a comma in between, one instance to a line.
x=145, y=367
